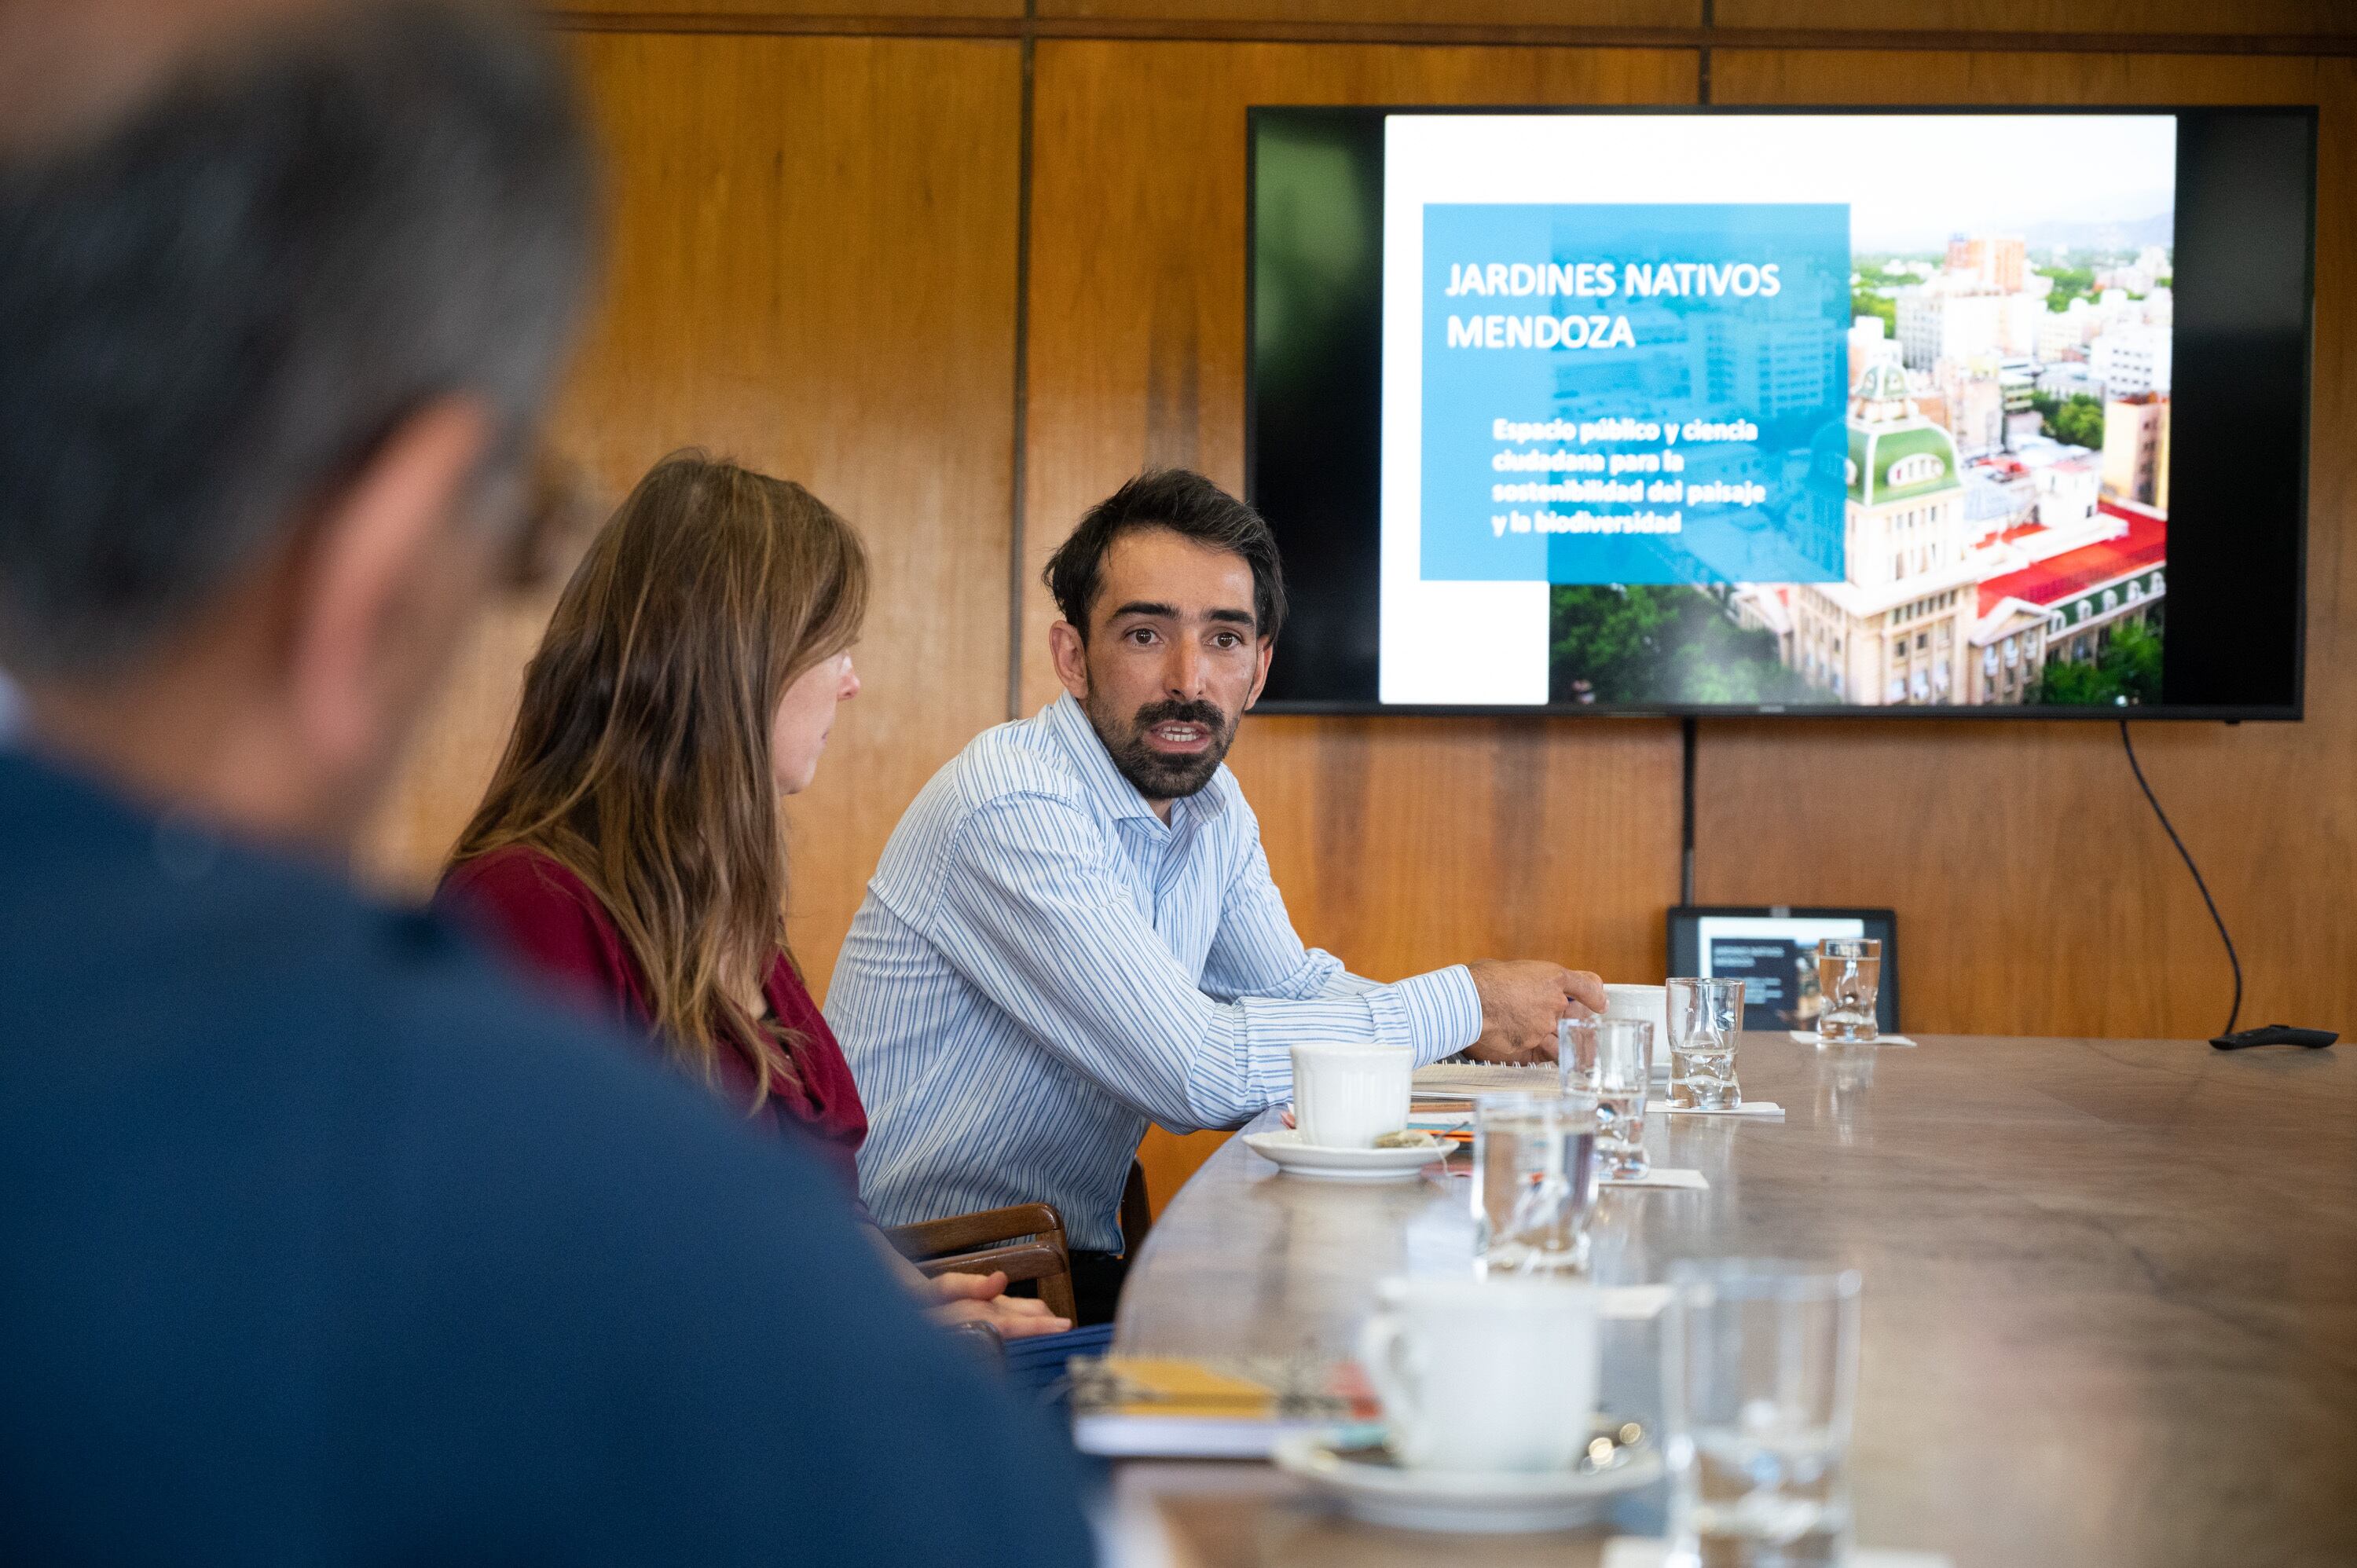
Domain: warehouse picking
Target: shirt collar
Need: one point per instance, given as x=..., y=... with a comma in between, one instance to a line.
x=1116, y=796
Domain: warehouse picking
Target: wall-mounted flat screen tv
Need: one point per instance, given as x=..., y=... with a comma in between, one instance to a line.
x=1828, y=412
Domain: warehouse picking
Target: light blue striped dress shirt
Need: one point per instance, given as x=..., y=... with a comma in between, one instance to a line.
x=1042, y=966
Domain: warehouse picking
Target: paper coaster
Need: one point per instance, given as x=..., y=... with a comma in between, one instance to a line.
x=1630, y=1302
x=1767, y=1108
x=1636, y=1552
x=1799, y=1038
x=1693, y=1181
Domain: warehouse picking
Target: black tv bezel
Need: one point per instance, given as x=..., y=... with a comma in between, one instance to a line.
x=2294, y=711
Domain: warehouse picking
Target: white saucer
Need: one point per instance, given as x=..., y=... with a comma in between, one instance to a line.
x=1321, y=1164
x=1370, y=1487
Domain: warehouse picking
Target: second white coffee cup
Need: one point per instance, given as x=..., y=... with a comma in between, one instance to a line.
x=1647, y=1004
x=1483, y=1376
x=1345, y=1097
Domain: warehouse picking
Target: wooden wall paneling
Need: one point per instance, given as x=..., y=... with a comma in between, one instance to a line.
x=1400, y=845
x=2153, y=18
x=2036, y=894
x=843, y=16
x=812, y=269
x=1461, y=13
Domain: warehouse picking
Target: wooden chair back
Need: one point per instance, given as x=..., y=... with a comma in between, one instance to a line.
x=1022, y=1240
x=1137, y=1213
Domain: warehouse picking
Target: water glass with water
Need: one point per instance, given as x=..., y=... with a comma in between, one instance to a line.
x=1534, y=1182
x=1849, y=976
x=1759, y=1379
x=1704, y=1017
x=1611, y=1062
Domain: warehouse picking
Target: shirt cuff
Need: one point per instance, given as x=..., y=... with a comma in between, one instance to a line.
x=1434, y=1016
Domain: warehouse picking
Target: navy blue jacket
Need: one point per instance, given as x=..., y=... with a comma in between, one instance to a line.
x=320, y=1241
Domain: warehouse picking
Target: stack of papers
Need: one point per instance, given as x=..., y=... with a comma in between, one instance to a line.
x=1167, y=1407
x=1463, y=1081
x=1174, y=1407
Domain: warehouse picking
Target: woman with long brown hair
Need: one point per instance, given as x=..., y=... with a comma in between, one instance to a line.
x=631, y=844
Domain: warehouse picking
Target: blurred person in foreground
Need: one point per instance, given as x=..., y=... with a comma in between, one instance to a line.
x=318, y=1240
x=1073, y=930
x=631, y=844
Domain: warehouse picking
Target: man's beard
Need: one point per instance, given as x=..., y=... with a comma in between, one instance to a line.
x=1154, y=775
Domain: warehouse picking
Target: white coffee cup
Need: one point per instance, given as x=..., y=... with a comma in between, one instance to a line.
x=1483, y=1376
x=1648, y=1003
x=1345, y=1097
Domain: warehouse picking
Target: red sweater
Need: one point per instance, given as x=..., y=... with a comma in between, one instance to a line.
x=546, y=917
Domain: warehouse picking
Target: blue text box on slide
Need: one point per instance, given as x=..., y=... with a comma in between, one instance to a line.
x=1715, y=334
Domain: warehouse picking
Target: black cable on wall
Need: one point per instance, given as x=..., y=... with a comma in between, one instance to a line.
x=2237, y=1011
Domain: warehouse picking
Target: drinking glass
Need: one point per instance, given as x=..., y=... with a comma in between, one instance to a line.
x=1849, y=974
x=1533, y=1181
x=1704, y=1017
x=1759, y=1377
x=1610, y=1061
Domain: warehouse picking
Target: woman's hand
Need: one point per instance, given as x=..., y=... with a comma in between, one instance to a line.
x=983, y=1298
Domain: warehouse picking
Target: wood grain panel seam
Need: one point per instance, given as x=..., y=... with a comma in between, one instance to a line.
x=1572, y=36
x=1017, y=516
x=1702, y=58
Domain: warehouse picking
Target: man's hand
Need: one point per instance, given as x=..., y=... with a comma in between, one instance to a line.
x=1520, y=1000
x=970, y=1298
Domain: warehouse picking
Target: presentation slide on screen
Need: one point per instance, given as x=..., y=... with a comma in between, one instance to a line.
x=1798, y=409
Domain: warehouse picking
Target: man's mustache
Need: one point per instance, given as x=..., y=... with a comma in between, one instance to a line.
x=1175, y=712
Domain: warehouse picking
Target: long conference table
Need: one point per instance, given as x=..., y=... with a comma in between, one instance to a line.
x=2110, y=1299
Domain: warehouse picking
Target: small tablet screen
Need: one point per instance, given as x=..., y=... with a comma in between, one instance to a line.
x=1773, y=952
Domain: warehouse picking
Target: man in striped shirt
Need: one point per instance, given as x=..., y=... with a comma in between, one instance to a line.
x=1073, y=932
